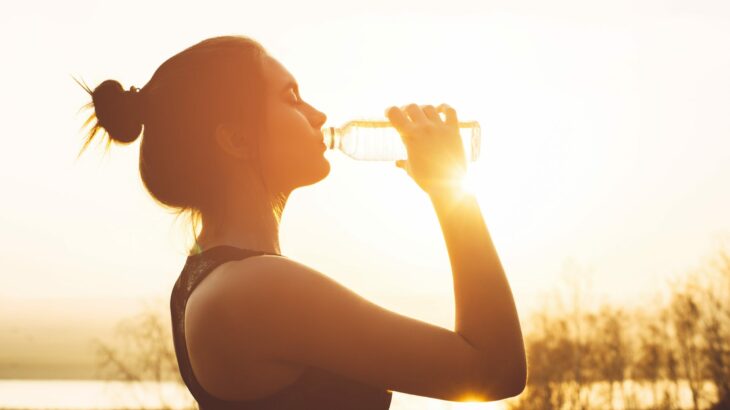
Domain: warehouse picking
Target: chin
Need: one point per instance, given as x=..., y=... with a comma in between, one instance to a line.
x=326, y=164
x=316, y=174
x=324, y=169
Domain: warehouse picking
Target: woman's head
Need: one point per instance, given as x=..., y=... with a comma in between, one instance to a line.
x=218, y=115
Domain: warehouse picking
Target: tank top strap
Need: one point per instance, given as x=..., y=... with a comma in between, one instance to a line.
x=199, y=265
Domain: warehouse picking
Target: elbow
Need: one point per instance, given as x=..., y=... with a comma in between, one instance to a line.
x=515, y=374
x=512, y=384
x=513, y=387
x=509, y=382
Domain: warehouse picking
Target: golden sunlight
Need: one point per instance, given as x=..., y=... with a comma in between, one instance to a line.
x=471, y=180
x=473, y=402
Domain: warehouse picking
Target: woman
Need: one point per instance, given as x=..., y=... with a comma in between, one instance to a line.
x=227, y=138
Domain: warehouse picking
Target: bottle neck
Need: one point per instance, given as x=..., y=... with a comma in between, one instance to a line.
x=331, y=137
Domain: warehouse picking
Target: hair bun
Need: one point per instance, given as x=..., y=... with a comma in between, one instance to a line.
x=118, y=111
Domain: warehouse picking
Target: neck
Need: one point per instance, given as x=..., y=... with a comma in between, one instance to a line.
x=247, y=221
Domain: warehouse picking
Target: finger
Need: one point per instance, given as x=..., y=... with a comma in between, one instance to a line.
x=415, y=113
x=431, y=113
x=450, y=114
x=397, y=118
x=400, y=163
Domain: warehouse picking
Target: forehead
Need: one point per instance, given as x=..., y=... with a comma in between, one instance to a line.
x=277, y=75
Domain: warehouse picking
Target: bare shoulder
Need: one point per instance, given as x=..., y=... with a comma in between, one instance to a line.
x=243, y=283
x=225, y=370
x=270, y=309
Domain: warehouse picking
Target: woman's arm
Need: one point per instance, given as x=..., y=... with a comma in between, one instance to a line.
x=485, y=310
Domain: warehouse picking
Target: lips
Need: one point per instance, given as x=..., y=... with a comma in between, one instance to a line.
x=320, y=137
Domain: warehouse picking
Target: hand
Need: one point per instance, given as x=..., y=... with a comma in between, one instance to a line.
x=436, y=158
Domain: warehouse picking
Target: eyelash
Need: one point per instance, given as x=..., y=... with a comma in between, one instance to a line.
x=298, y=100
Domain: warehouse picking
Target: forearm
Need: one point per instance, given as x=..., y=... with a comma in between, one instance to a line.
x=485, y=310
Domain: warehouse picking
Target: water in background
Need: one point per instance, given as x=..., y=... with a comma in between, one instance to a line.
x=105, y=395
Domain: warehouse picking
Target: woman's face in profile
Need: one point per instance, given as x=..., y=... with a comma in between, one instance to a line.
x=292, y=149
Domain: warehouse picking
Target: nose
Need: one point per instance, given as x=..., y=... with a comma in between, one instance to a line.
x=319, y=118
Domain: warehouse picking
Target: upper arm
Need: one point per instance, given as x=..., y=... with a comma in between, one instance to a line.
x=272, y=308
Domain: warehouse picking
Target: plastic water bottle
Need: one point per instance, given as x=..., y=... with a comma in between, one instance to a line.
x=378, y=140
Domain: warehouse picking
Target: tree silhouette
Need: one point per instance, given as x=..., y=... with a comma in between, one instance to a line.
x=142, y=352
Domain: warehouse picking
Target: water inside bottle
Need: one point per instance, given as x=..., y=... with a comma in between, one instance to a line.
x=376, y=140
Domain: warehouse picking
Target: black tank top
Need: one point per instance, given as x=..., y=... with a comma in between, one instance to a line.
x=315, y=389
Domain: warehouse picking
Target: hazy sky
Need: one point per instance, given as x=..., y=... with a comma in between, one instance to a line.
x=605, y=126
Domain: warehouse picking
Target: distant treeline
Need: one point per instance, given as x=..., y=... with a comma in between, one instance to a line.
x=671, y=352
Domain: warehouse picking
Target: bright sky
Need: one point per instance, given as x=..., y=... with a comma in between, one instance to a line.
x=605, y=126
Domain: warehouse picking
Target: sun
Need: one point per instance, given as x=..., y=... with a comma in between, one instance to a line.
x=470, y=183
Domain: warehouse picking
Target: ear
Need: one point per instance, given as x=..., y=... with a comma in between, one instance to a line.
x=232, y=141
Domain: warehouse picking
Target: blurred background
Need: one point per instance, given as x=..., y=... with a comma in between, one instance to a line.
x=603, y=180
